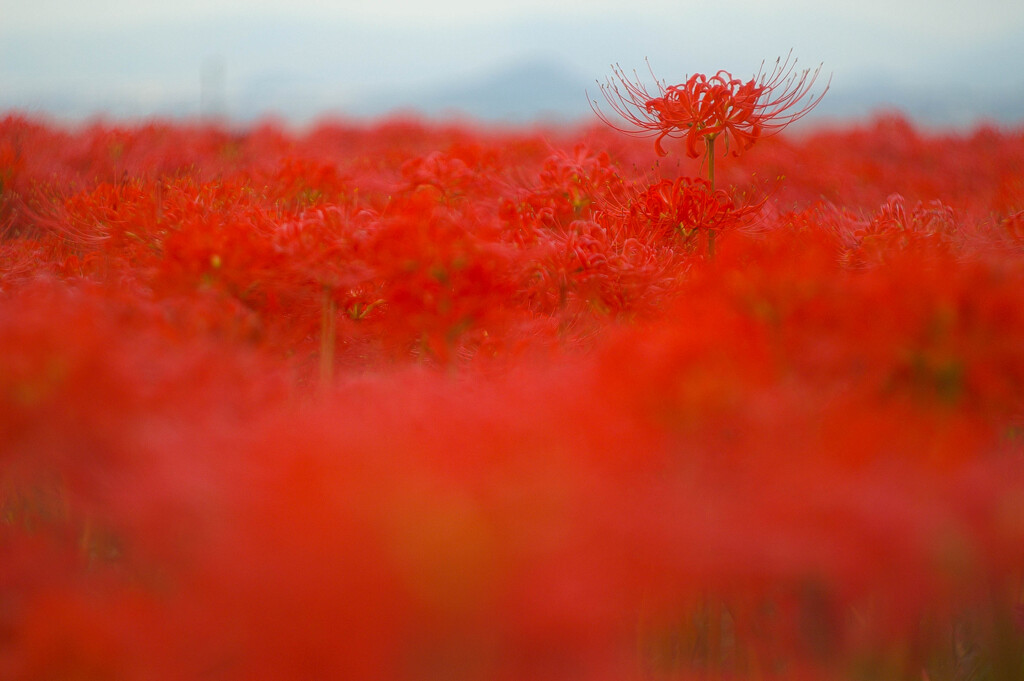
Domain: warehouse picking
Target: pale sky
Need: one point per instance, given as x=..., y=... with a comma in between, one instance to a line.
x=941, y=18
x=148, y=49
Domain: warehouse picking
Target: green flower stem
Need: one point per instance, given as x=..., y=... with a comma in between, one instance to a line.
x=711, y=179
x=327, y=336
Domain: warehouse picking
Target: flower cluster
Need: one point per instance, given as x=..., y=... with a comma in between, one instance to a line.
x=685, y=207
x=400, y=402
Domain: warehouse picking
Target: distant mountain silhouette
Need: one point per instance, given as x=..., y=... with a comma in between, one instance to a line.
x=540, y=90
x=301, y=69
x=962, y=106
x=533, y=90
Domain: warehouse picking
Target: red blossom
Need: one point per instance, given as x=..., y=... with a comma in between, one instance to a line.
x=685, y=207
x=702, y=108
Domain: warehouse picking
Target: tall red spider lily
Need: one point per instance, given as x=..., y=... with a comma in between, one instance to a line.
x=705, y=107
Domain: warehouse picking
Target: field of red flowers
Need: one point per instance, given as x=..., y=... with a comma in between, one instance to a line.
x=401, y=400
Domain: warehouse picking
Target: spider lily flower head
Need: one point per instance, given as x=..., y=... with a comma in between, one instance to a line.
x=685, y=206
x=702, y=108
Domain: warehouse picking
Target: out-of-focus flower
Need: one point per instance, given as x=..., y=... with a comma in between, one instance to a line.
x=685, y=207
x=705, y=107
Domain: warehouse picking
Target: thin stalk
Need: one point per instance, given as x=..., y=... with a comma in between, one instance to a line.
x=711, y=180
x=714, y=611
x=327, y=335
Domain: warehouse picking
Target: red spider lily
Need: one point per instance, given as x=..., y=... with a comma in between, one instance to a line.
x=929, y=227
x=1014, y=226
x=703, y=108
x=685, y=205
x=569, y=187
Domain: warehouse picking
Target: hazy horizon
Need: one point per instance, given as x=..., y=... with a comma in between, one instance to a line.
x=304, y=58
